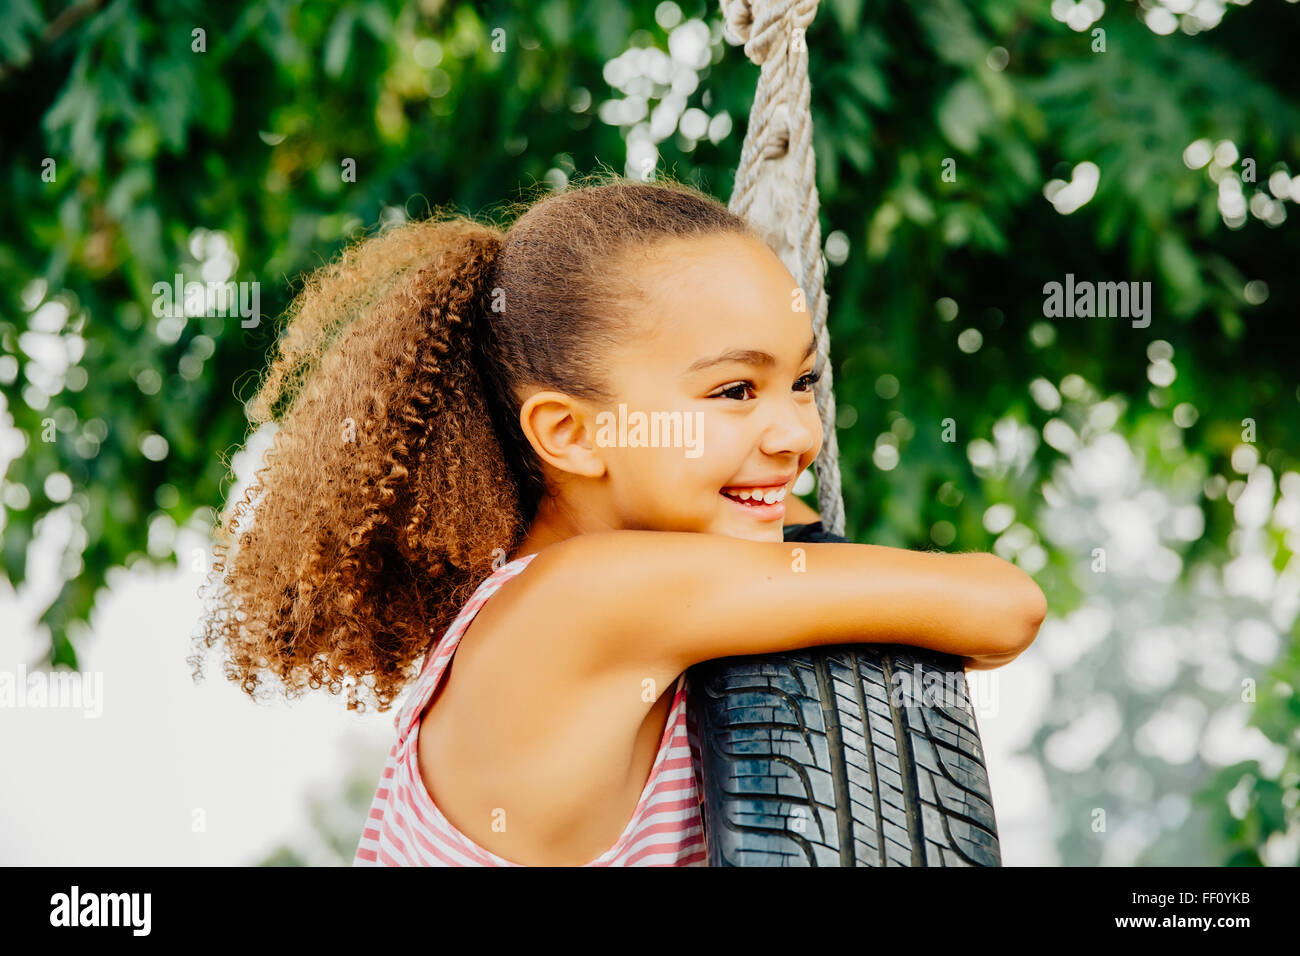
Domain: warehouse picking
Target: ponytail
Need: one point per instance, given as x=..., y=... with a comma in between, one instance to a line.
x=385, y=495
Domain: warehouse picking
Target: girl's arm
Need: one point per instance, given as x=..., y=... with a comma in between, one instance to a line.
x=657, y=602
x=797, y=512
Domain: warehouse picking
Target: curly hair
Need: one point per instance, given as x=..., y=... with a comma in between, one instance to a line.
x=399, y=475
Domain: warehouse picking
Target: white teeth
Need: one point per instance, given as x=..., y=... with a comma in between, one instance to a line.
x=769, y=496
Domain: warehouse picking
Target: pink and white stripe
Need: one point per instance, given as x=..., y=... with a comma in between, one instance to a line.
x=406, y=828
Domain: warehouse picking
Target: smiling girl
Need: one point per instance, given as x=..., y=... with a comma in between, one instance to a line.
x=436, y=498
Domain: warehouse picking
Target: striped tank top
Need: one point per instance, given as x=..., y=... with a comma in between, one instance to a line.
x=406, y=828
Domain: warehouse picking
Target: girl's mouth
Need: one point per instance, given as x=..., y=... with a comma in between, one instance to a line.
x=757, y=505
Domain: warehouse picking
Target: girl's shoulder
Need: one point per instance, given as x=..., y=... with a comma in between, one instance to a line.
x=522, y=691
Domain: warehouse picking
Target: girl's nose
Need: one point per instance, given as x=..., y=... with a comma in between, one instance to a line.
x=790, y=431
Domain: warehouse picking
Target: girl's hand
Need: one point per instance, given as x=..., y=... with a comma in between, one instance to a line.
x=988, y=662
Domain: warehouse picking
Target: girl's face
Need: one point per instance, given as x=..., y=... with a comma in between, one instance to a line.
x=719, y=377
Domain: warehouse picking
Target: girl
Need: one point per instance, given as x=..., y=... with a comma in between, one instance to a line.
x=463, y=440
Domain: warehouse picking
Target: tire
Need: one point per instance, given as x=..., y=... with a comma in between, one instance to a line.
x=803, y=760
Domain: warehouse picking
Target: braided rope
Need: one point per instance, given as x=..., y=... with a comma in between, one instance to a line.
x=776, y=189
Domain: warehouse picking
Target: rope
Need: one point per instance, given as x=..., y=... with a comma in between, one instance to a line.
x=776, y=189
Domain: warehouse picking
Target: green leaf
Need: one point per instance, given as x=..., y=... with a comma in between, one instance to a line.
x=952, y=31
x=339, y=43
x=867, y=79
x=1177, y=264
x=963, y=115
x=915, y=205
x=17, y=536
x=378, y=20
x=18, y=18
x=847, y=14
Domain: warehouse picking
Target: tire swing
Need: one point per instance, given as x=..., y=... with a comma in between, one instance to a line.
x=831, y=756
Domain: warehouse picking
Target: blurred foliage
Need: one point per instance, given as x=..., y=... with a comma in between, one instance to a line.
x=153, y=138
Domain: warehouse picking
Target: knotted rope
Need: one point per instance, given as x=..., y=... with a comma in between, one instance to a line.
x=776, y=189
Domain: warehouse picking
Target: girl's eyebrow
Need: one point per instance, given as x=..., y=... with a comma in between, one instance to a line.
x=746, y=357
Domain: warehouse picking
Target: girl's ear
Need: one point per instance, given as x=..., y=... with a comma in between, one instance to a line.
x=556, y=425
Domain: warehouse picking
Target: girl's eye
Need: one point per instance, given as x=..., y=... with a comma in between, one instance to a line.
x=807, y=381
x=729, y=391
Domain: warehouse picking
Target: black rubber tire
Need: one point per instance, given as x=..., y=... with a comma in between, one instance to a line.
x=803, y=760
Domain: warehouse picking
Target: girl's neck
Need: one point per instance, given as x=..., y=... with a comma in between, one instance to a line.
x=552, y=524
